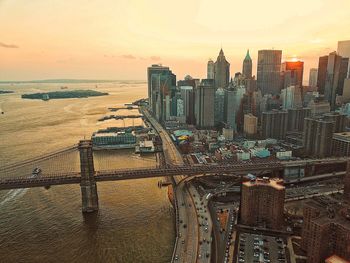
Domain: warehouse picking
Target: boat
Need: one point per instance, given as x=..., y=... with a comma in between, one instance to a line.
x=64, y=87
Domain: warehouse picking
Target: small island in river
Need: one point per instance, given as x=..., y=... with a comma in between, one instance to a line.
x=6, y=91
x=64, y=94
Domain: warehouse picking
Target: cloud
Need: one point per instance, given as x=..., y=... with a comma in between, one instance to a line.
x=128, y=56
x=155, y=58
x=8, y=45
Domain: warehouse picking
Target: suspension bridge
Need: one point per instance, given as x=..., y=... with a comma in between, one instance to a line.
x=78, y=164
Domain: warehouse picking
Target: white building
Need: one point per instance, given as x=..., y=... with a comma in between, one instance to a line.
x=180, y=107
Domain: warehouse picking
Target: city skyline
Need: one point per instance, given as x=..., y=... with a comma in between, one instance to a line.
x=112, y=40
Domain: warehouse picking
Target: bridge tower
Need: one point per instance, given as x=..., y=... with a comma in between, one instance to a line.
x=88, y=184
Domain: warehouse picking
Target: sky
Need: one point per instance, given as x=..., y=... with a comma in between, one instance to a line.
x=119, y=39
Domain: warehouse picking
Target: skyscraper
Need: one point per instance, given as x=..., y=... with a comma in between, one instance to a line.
x=313, y=78
x=247, y=66
x=187, y=95
x=233, y=97
x=343, y=72
x=154, y=69
x=204, y=104
x=162, y=87
x=210, y=69
x=321, y=73
x=336, y=68
x=292, y=73
x=268, y=74
x=221, y=71
x=331, y=74
x=344, y=51
x=219, y=106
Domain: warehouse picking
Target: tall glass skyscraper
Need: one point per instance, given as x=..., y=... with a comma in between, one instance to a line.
x=268, y=74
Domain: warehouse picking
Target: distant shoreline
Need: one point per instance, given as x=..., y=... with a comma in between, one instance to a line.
x=53, y=81
x=6, y=91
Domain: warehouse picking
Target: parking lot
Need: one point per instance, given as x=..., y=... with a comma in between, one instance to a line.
x=254, y=248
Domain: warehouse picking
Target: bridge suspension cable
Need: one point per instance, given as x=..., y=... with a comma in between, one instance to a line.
x=39, y=158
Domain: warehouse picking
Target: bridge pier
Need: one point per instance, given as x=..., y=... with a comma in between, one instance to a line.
x=88, y=184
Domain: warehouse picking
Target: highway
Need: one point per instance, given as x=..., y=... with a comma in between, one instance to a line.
x=204, y=223
x=172, y=155
x=187, y=244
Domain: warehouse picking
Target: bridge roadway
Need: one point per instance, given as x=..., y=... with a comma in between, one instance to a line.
x=236, y=169
x=128, y=174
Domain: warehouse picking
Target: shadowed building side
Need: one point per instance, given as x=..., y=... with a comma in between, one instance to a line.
x=88, y=184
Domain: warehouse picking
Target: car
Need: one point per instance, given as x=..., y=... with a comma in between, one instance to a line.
x=176, y=257
x=183, y=242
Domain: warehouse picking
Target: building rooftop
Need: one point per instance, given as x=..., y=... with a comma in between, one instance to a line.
x=344, y=136
x=336, y=259
x=146, y=143
x=331, y=211
x=110, y=134
x=272, y=182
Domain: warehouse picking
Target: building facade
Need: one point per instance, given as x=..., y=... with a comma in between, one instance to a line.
x=313, y=78
x=296, y=118
x=292, y=74
x=291, y=97
x=326, y=230
x=331, y=74
x=344, y=51
x=204, y=104
x=233, y=97
x=341, y=144
x=219, y=106
x=268, y=73
x=317, y=137
x=250, y=124
x=221, y=71
x=161, y=90
x=274, y=124
x=262, y=203
x=210, y=69
x=188, y=97
x=339, y=120
x=322, y=73
x=247, y=69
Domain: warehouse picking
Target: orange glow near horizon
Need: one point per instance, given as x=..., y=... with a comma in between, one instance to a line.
x=118, y=39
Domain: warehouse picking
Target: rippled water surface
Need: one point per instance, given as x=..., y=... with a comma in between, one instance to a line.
x=135, y=219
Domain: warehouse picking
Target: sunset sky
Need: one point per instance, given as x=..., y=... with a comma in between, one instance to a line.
x=118, y=39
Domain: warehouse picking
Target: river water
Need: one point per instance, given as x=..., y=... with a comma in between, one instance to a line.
x=135, y=219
